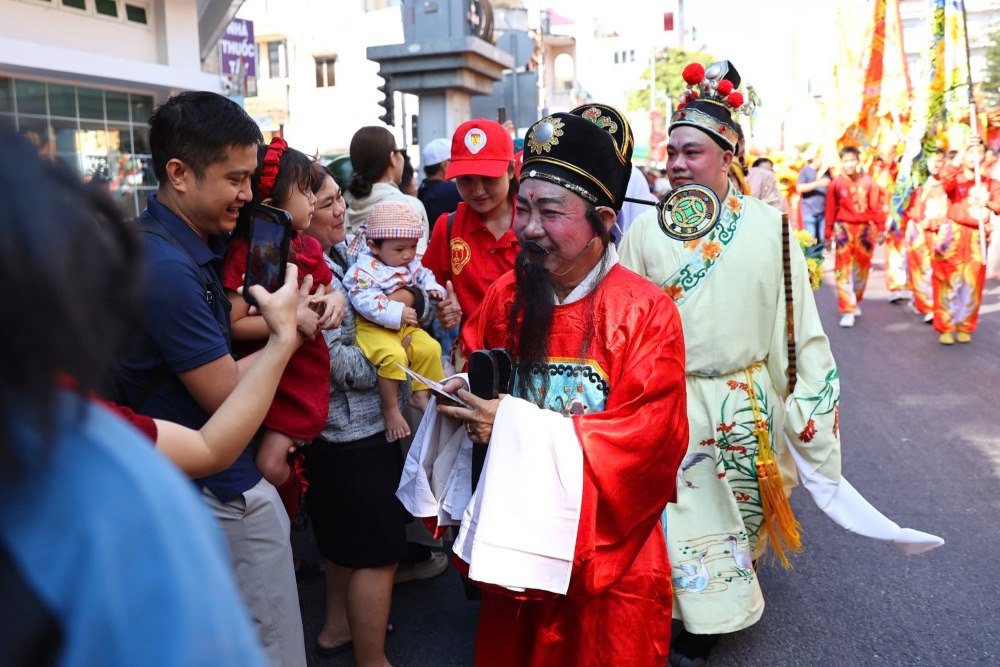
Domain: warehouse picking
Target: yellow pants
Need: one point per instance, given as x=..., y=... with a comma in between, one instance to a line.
x=384, y=346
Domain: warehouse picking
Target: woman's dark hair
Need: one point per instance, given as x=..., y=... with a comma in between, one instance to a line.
x=70, y=269
x=319, y=174
x=371, y=149
x=199, y=128
x=295, y=170
x=515, y=182
x=407, y=178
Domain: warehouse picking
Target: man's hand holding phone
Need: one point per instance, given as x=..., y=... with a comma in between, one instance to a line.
x=279, y=309
x=267, y=250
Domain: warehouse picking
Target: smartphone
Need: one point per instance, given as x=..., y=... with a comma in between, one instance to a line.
x=267, y=253
x=501, y=115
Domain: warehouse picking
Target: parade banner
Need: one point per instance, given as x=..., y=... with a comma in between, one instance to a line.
x=853, y=34
x=942, y=101
x=886, y=93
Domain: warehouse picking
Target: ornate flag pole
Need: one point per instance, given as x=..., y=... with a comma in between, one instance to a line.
x=974, y=125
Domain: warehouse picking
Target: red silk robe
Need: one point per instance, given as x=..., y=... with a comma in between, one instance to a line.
x=628, y=397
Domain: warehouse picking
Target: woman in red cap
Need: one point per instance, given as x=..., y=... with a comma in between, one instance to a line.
x=472, y=247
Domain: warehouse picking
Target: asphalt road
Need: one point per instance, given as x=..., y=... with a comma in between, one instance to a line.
x=920, y=427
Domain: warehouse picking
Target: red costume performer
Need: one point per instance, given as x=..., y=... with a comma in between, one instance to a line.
x=617, y=364
x=959, y=267
x=562, y=531
x=926, y=212
x=895, y=239
x=852, y=210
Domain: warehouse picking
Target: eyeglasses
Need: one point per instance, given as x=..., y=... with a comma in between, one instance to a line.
x=401, y=151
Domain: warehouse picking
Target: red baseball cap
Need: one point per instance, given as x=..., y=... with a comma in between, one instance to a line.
x=480, y=147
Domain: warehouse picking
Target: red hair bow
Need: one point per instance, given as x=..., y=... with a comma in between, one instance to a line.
x=272, y=162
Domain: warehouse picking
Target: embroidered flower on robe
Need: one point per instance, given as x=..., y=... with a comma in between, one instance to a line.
x=725, y=428
x=808, y=432
x=673, y=291
x=711, y=250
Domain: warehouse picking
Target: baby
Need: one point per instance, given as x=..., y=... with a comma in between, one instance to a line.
x=388, y=329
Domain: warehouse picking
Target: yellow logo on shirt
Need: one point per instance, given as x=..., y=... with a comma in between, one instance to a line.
x=461, y=253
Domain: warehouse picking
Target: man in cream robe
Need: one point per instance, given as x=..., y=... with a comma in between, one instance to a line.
x=728, y=286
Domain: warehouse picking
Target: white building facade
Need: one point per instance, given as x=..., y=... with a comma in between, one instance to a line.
x=315, y=84
x=79, y=78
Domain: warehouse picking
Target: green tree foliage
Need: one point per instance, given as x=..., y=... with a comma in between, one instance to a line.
x=670, y=63
x=991, y=85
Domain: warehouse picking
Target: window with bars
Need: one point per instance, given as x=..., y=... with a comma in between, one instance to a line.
x=325, y=75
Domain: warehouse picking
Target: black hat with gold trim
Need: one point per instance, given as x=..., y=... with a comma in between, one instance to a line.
x=612, y=120
x=711, y=99
x=587, y=151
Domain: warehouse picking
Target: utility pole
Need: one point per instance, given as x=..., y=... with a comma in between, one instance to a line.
x=652, y=79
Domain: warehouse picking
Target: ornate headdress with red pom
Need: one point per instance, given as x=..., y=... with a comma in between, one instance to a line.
x=710, y=100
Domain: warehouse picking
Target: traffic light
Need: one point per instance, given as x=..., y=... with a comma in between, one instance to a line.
x=387, y=102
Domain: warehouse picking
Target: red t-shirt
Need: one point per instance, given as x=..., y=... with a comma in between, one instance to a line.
x=850, y=200
x=473, y=259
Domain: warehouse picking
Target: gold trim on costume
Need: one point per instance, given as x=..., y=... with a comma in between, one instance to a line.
x=702, y=120
x=545, y=134
x=573, y=187
x=574, y=169
x=597, y=117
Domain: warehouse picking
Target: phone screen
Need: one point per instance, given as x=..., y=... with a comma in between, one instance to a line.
x=267, y=252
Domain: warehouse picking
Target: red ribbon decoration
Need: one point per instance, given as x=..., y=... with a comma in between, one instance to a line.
x=272, y=162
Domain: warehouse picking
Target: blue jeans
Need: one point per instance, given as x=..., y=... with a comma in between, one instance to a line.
x=814, y=224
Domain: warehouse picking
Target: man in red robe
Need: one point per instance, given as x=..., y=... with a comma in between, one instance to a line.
x=597, y=409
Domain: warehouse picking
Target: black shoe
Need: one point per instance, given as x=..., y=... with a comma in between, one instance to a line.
x=324, y=653
x=691, y=650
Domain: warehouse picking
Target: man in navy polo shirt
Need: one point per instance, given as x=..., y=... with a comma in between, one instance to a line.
x=204, y=150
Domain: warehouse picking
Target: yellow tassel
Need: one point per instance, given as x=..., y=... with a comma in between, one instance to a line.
x=783, y=529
